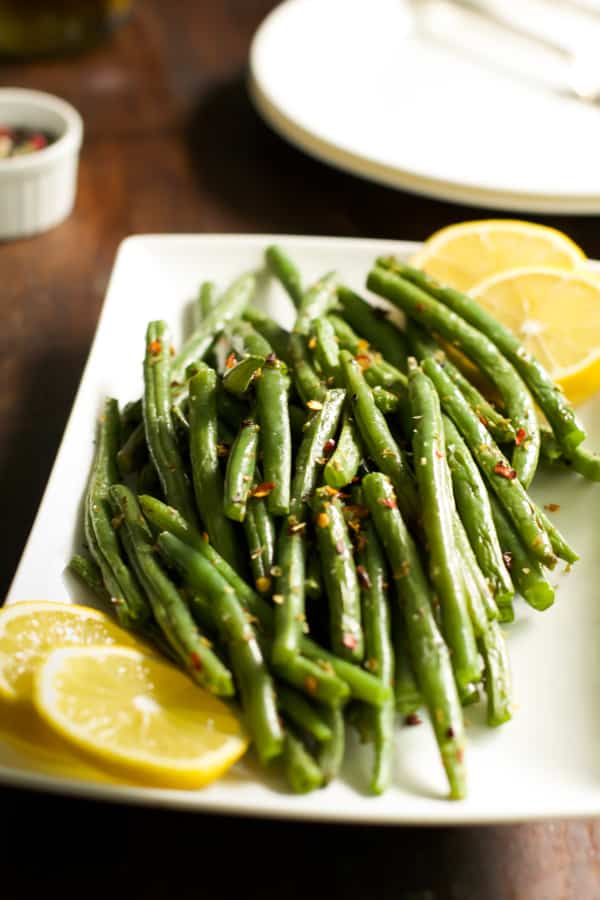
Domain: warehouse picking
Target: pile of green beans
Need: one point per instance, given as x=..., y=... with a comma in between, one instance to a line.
x=331, y=524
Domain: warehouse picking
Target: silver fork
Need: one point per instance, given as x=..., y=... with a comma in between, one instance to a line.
x=583, y=69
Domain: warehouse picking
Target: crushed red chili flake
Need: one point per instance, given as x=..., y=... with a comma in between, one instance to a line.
x=333, y=492
x=412, y=719
x=196, y=661
x=272, y=360
x=349, y=641
x=312, y=343
x=552, y=507
x=311, y=684
x=205, y=537
x=329, y=447
x=362, y=344
x=450, y=732
x=483, y=421
x=322, y=520
x=363, y=577
x=230, y=361
x=155, y=347
x=439, y=454
x=508, y=559
x=263, y=489
x=505, y=471
x=520, y=436
x=364, y=360
x=387, y=501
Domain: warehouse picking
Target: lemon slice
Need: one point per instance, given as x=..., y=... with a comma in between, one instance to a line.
x=30, y=630
x=462, y=255
x=557, y=317
x=138, y=715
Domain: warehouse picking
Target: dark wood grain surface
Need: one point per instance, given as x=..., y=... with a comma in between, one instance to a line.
x=172, y=144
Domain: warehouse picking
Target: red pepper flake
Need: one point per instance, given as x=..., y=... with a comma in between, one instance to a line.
x=311, y=684
x=263, y=489
x=552, y=507
x=196, y=661
x=508, y=559
x=349, y=641
x=155, y=347
x=483, y=421
x=364, y=360
x=314, y=404
x=439, y=454
x=272, y=361
x=230, y=361
x=322, y=520
x=412, y=719
x=333, y=492
x=205, y=537
x=312, y=343
x=450, y=732
x=362, y=345
x=363, y=577
x=388, y=501
x=505, y=471
x=328, y=447
x=520, y=436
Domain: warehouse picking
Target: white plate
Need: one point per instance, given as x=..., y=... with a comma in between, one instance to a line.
x=450, y=108
x=545, y=763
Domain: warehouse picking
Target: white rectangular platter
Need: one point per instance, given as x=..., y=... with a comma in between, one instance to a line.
x=545, y=763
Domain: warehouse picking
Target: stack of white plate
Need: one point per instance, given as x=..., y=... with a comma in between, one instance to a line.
x=426, y=97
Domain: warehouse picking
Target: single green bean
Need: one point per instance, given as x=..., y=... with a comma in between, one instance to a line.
x=326, y=349
x=238, y=379
x=275, y=434
x=498, y=680
x=241, y=464
x=286, y=271
x=315, y=303
x=206, y=472
x=301, y=770
x=260, y=536
x=90, y=574
x=330, y=755
x=206, y=302
x=408, y=696
x=345, y=460
x=306, y=379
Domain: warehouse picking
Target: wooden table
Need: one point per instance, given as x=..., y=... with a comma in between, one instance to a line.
x=172, y=144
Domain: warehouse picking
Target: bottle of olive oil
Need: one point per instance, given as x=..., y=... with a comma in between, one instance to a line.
x=53, y=27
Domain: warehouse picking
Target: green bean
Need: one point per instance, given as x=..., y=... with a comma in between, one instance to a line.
x=274, y=334
x=345, y=460
x=363, y=686
x=90, y=574
x=579, y=460
x=303, y=714
x=206, y=472
x=420, y=305
x=286, y=271
x=475, y=511
x=260, y=536
x=160, y=434
x=437, y=510
x=126, y=595
x=289, y=595
x=498, y=681
x=330, y=755
x=134, y=452
x=430, y=655
x=206, y=302
x=408, y=696
x=525, y=571
x=170, y=611
x=373, y=578
x=372, y=323
x=250, y=669
x=482, y=606
x=241, y=464
x=228, y=307
x=275, y=435
x=241, y=376
x=315, y=303
x=377, y=436
x=498, y=472
x=424, y=346
x=340, y=578
x=326, y=349
x=307, y=381
x=551, y=399
x=301, y=770
x=314, y=678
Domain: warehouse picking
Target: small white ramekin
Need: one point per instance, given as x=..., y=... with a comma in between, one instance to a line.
x=37, y=190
